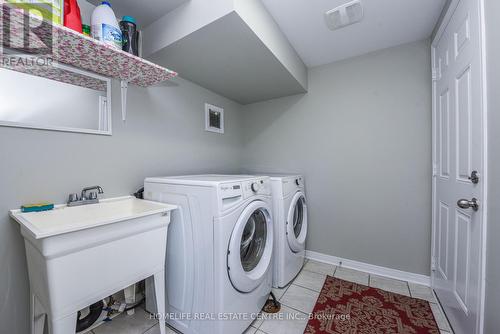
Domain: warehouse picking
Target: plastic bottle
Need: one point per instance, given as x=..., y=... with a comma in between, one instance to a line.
x=129, y=35
x=105, y=26
x=72, y=16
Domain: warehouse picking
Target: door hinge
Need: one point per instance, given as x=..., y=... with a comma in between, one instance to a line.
x=433, y=263
x=435, y=74
x=434, y=170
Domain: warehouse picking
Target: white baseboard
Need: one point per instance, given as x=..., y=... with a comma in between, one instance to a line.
x=370, y=268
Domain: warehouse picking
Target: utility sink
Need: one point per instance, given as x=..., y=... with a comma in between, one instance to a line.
x=64, y=219
x=79, y=255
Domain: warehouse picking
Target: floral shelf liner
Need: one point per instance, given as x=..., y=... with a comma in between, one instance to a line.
x=57, y=74
x=77, y=50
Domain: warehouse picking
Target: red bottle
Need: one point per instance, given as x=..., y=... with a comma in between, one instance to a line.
x=72, y=16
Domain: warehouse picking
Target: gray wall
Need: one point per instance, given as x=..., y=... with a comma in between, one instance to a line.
x=492, y=320
x=362, y=138
x=164, y=134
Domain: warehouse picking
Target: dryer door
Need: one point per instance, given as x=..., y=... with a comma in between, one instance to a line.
x=250, y=247
x=296, y=224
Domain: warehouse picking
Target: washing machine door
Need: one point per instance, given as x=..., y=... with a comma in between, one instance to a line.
x=250, y=247
x=296, y=223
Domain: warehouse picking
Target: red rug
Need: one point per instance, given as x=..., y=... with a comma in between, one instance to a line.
x=349, y=308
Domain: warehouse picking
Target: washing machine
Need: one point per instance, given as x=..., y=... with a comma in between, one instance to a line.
x=219, y=250
x=290, y=227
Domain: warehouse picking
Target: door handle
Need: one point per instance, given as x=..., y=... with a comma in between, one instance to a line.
x=466, y=204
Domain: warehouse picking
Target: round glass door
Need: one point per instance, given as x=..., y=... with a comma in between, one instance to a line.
x=250, y=247
x=297, y=223
x=253, y=240
x=298, y=217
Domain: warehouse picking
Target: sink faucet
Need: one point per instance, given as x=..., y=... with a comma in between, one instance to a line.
x=85, y=199
x=92, y=195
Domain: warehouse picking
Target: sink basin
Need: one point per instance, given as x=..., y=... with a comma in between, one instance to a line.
x=64, y=219
x=79, y=255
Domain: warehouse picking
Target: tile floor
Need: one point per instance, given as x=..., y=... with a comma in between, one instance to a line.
x=298, y=299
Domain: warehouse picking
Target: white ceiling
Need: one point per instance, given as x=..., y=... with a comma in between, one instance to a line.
x=144, y=11
x=386, y=23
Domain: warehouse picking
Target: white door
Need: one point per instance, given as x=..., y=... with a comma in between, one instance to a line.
x=250, y=247
x=458, y=156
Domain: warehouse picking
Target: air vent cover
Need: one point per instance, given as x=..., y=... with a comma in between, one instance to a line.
x=344, y=15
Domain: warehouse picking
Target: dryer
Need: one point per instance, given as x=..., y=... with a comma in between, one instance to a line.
x=219, y=250
x=290, y=227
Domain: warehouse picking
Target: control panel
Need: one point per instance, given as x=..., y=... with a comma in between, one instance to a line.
x=292, y=184
x=231, y=194
x=260, y=186
x=231, y=190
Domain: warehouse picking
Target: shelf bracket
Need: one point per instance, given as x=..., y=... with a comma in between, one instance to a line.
x=124, y=86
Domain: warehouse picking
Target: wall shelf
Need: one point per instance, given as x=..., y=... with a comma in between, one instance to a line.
x=72, y=48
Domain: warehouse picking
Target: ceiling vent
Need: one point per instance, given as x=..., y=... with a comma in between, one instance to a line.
x=344, y=15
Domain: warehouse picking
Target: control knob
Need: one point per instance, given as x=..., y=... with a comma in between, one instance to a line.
x=255, y=187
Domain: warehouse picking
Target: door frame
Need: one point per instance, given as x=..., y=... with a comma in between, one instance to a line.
x=484, y=124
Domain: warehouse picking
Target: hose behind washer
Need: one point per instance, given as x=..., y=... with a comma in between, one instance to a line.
x=91, y=318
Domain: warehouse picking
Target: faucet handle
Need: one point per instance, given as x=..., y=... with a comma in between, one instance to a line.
x=92, y=195
x=73, y=198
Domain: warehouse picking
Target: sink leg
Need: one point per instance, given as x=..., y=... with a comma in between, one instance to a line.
x=159, y=279
x=65, y=325
x=130, y=297
x=38, y=317
x=32, y=314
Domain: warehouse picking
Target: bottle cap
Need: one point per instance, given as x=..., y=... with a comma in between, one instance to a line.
x=106, y=3
x=86, y=29
x=129, y=19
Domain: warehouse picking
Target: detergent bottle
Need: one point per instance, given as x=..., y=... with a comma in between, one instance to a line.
x=72, y=16
x=105, y=26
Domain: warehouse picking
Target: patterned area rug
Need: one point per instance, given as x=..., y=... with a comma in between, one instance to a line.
x=349, y=308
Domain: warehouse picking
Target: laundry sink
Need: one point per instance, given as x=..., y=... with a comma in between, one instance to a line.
x=64, y=219
x=79, y=255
